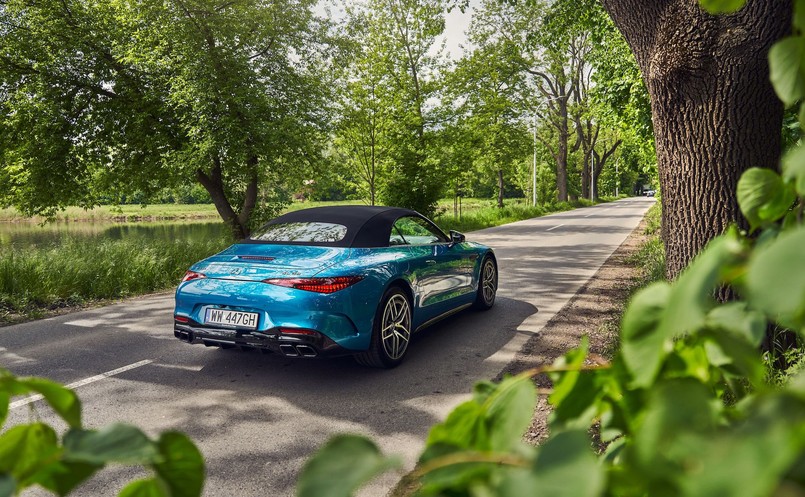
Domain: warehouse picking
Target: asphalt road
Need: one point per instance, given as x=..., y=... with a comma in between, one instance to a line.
x=257, y=418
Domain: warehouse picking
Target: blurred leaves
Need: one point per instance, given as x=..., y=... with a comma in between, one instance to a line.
x=32, y=454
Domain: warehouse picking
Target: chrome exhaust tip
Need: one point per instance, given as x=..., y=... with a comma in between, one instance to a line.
x=306, y=351
x=289, y=350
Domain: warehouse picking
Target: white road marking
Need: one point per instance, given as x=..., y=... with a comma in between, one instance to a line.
x=81, y=383
x=557, y=226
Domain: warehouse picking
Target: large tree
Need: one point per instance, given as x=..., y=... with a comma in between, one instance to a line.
x=403, y=35
x=714, y=111
x=489, y=90
x=108, y=96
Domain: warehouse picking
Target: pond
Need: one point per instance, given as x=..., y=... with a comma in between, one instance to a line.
x=21, y=235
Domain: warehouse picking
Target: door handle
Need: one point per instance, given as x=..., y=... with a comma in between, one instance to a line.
x=430, y=261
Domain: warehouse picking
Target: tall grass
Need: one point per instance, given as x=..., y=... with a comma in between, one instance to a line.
x=650, y=256
x=480, y=217
x=78, y=271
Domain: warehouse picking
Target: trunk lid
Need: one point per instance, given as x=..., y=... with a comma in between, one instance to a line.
x=259, y=261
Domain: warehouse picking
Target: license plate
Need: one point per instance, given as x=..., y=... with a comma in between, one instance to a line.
x=231, y=318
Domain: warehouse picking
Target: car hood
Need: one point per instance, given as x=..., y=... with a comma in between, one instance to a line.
x=259, y=261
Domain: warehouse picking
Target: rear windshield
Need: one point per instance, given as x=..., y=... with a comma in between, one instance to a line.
x=300, y=233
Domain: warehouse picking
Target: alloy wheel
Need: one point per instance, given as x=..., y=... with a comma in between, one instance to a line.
x=490, y=282
x=396, y=329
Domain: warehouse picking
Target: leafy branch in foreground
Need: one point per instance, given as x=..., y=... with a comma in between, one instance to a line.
x=684, y=408
x=32, y=454
x=683, y=405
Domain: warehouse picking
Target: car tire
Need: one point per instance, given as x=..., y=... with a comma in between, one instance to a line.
x=487, y=284
x=391, y=331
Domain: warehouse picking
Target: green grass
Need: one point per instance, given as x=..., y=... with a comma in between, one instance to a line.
x=78, y=272
x=120, y=213
x=650, y=256
x=479, y=214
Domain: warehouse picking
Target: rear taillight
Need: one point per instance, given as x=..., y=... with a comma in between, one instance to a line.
x=298, y=331
x=192, y=275
x=319, y=285
x=181, y=319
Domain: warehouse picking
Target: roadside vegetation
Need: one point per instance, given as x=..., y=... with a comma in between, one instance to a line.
x=79, y=272
x=76, y=272
x=650, y=256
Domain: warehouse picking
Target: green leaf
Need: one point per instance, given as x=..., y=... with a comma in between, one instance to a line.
x=5, y=399
x=25, y=447
x=775, y=280
x=574, y=392
x=737, y=318
x=510, y=409
x=794, y=166
x=63, y=477
x=643, y=347
x=63, y=400
x=8, y=487
x=763, y=197
x=722, y=6
x=182, y=465
x=114, y=443
x=565, y=466
x=738, y=356
x=675, y=406
x=464, y=428
x=149, y=487
x=692, y=294
x=750, y=460
x=785, y=59
x=342, y=466
x=799, y=17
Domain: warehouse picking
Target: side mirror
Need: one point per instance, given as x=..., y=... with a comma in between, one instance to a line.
x=456, y=237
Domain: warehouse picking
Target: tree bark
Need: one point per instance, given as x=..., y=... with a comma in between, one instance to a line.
x=715, y=113
x=214, y=184
x=600, y=162
x=500, y=188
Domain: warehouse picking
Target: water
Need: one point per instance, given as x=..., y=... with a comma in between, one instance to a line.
x=22, y=235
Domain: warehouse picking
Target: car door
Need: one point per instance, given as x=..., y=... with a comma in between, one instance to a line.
x=438, y=272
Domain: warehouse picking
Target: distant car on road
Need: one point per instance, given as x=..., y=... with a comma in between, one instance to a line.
x=327, y=281
x=650, y=193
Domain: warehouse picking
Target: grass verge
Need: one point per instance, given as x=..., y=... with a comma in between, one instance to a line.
x=478, y=216
x=40, y=281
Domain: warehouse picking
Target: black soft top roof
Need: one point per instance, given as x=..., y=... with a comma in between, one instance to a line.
x=367, y=226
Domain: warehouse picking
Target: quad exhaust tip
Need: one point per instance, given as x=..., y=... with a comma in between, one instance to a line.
x=298, y=350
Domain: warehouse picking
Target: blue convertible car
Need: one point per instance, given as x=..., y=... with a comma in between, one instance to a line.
x=347, y=280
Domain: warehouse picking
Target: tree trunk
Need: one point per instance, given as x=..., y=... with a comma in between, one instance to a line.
x=500, y=188
x=561, y=156
x=600, y=161
x=214, y=184
x=715, y=113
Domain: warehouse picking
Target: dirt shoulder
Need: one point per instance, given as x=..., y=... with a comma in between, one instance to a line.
x=594, y=311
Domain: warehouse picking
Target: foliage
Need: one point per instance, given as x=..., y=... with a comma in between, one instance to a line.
x=389, y=127
x=660, y=407
x=34, y=454
x=101, y=99
x=684, y=408
x=78, y=271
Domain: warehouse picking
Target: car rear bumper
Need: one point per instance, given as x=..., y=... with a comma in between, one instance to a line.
x=271, y=340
